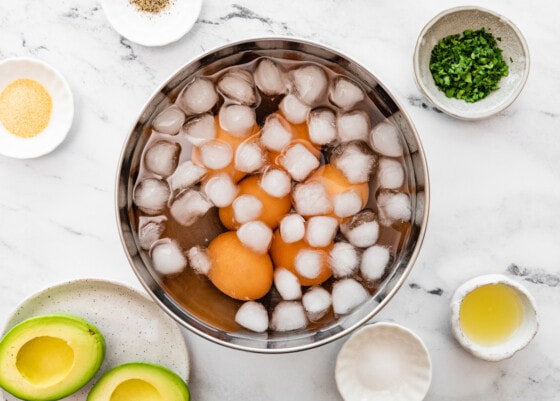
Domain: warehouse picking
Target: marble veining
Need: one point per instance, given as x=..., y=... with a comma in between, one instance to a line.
x=495, y=183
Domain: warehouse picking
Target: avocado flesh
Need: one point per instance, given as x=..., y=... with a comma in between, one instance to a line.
x=49, y=357
x=138, y=380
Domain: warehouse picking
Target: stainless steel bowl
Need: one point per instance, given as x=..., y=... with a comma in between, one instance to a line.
x=196, y=320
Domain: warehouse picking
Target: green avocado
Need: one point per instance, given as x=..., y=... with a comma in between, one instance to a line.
x=139, y=381
x=49, y=357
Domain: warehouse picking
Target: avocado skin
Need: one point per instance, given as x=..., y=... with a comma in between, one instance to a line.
x=9, y=380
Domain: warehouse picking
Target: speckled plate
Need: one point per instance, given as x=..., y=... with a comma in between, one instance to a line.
x=152, y=29
x=134, y=327
x=383, y=362
x=62, y=113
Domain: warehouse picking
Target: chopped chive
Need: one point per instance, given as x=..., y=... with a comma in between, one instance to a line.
x=468, y=66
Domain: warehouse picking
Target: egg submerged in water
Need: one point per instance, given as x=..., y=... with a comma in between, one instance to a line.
x=493, y=317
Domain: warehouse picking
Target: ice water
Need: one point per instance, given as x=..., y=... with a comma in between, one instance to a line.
x=357, y=114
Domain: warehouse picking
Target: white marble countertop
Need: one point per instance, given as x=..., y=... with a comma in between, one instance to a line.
x=495, y=184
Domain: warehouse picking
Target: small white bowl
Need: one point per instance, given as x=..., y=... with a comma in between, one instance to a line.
x=514, y=51
x=383, y=361
x=517, y=341
x=62, y=112
x=152, y=29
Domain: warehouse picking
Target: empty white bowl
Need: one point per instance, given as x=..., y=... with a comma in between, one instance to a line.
x=519, y=338
x=514, y=51
x=385, y=362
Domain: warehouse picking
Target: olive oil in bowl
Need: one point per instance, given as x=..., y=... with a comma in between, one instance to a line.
x=493, y=316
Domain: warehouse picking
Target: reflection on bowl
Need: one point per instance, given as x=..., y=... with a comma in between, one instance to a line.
x=238, y=142
x=514, y=51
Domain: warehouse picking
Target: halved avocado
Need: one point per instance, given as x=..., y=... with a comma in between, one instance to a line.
x=139, y=381
x=49, y=357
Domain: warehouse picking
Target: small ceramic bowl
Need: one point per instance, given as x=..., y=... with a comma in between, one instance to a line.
x=520, y=336
x=383, y=361
x=514, y=51
x=152, y=29
x=61, y=116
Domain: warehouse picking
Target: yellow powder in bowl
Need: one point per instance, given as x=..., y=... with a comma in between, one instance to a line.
x=25, y=108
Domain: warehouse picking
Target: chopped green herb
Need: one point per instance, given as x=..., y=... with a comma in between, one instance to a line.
x=468, y=67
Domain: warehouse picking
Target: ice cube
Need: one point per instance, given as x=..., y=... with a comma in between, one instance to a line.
x=189, y=206
x=216, y=154
x=362, y=229
x=347, y=203
x=311, y=199
x=275, y=134
x=255, y=235
x=246, y=208
x=169, y=121
x=310, y=83
x=151, y=195
x=186, y=175
x=199, y=260
x=238, y=120
x=344, y=259
x=385, y=140
x=322, y=126
x=276, y=182
x=200, y=129
x=238, y=85
x=374, y=261
x=354, y=125
x=347, y=294
x=249, y=157
x=287, y=284
x=253, y=316
x=220, y=190
x=309, y=262
x=292, y=228
x=393, y=207
x=198, y=97
x=162, y=157
x=320, y=230
x=390, y=173
x=298, y=161
x=316, y=302
x=345, y=93
x=356, y=160
x=294, y=109
x=288, y=316
x=269, y=78
x=150, y=230
x=167, y=257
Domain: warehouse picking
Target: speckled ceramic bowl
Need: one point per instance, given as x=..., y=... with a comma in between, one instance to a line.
x=455, y=21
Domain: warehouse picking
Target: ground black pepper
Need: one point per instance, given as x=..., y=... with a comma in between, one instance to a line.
x=151, y=6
